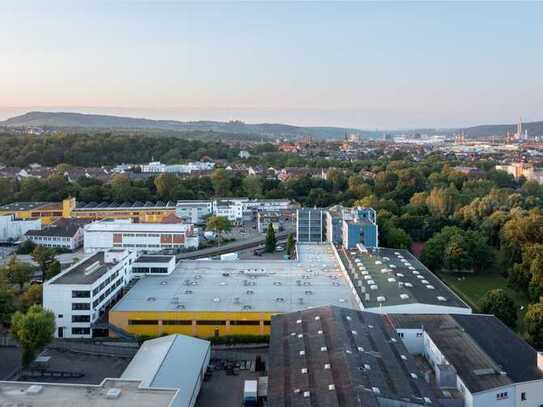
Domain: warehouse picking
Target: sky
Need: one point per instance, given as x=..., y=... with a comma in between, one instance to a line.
x=369, y=65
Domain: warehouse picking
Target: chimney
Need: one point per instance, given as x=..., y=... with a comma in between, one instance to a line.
x=540, y=361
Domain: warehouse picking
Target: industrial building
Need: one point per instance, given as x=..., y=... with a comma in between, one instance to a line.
x=165, y=372
x=310, y=225
x=81, y=294
x=47, y=212
x=394, y=281
x=350, y=226
x=172, y=362
x=13, y=230
x=63, y=234
x=109, y=393
x=124, y=234
x=338, y=225
x=207, y=298
x=333, y=356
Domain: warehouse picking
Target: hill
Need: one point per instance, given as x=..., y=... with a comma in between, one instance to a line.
x=95, y=121
x=488, y=130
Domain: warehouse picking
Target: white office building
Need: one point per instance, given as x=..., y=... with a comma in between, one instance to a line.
x=124, y=234
x=194, y=211
x=81, y=294
x=12, y=229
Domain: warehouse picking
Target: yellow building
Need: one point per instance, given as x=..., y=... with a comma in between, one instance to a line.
x=48, y=212
x=211, y=298
x=151, y=212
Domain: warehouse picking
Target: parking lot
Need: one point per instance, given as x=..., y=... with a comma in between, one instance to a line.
x=224, y=389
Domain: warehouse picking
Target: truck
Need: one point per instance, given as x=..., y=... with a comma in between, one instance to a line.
x=250, y=396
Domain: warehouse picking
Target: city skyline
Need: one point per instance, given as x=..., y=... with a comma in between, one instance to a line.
x=364, y=65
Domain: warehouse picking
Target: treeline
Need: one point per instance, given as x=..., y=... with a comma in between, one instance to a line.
x=106, y=149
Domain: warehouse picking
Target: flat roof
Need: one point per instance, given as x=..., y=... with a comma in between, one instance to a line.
x=139, y=205
x=246, y=285
x=154, y=259
x=389, y=277
x=68, y=395
x=87, y=271
x=158, y=360
x=483, y=350
x=333, y=356
x=23, y=206
x=123, y=226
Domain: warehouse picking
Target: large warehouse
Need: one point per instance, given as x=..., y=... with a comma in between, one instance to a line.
x=207, y=298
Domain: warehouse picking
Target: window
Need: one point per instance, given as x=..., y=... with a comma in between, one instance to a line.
x=142, y=322
x=267, y=323
x=80, y=294
x=80, y=318
x=502, y=396
x=80, y=331
x=400, y=334
x=419, y=334
x=80, y=306
x=244, y=323
x=210, y=322
x=176, y=322
x=523, y=396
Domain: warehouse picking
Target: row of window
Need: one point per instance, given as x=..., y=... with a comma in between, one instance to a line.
x=107, y=293
x=80, y=331
x=80, y=318
x=150, y=270
x=198, y=322
x=80, y=306
x=105, y=283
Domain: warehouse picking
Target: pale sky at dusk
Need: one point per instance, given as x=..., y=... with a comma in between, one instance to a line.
x=366, y=65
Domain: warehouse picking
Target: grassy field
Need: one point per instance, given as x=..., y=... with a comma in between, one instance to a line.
x=472, y=288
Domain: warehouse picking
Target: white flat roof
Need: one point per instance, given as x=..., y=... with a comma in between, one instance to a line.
x=158, y=362
x=109, y=226
x=275, y=286
x=69, y=395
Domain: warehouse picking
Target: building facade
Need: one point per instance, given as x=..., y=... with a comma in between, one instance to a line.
x=63, y=234
x=194, y=211
x=123, y=234
x=12, y=229
x=80, y=295
x=310, y=225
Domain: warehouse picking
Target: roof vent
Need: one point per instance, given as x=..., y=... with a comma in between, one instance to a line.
x=303, y=370
x=376, y=390
x=320, y=331
x=306, y=394
x=327, y=366
x=331, y=387
x=216, y=299
x=302, y=352
x=324, y=348
x=317, y=318
x=113, y=393
x=430, y=287
x=298, y=321
x=404, y=296
x=408, y=284
x=413, y=375
x=441, y=298
x=381, y=298
x=34, y=389
x=374, y=287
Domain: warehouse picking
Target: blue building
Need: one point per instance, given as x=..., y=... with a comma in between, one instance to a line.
x=350, y=226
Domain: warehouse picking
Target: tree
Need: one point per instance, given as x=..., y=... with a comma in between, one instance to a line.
x=17, y=273
x=32, y=296
x=53, y=269
x=291, y=244
x=500, y=304
x=33, y=330
x=7, y=301
x=533, y=321
x=26, y=247
x=165, y=185
x=219, y=225
x=252, y=185
x=44, y=256
x=271, y=240
x=221, y=182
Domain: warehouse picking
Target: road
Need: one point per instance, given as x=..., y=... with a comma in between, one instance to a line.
x=229, y=247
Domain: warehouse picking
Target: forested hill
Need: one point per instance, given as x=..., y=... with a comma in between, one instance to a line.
x=534, y=129
x=80, y=120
